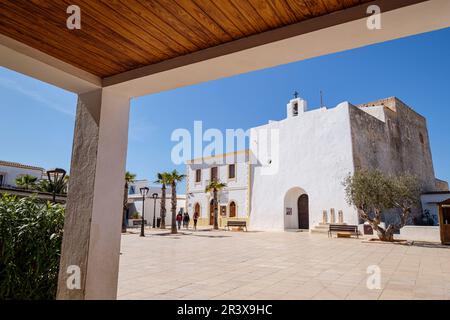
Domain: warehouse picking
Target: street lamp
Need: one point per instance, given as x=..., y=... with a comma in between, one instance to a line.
x=144, y=192
x=54, y=176
x=154, y=196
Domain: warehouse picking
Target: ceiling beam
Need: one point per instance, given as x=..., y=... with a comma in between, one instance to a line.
x=339, y=31
x=22, y=58
x=335, y=32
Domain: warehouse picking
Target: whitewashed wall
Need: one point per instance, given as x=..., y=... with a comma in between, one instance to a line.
x=420, y=233
x=10, y=174
x=136, y=199
x=149, y=203
x=236, y=189
x=315, y=154
x=429, y=202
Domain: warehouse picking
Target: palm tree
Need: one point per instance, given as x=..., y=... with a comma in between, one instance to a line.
x=163, y=180
x=129, y=178
x=214, y=187
x=26, y=182
x=60, y=187
x=173, y=178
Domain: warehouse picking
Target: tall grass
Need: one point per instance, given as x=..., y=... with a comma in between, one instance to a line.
x=30, y=245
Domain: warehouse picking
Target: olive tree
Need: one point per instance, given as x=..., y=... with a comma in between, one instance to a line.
x=374, y=193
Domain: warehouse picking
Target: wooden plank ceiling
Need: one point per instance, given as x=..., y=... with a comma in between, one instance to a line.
x=121, y=35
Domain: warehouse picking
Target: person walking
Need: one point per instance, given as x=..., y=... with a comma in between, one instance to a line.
x=179, y=220
x=186, y=220
x=195, y=217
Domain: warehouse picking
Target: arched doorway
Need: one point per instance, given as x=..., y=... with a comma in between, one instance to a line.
x=211, y=212
x=303, y=211
x=197, y=209
x=296, y=209
x=232, y=209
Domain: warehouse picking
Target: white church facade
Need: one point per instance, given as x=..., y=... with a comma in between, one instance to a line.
x=298, y=182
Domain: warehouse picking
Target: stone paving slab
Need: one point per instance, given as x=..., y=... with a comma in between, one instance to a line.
x=276, y=265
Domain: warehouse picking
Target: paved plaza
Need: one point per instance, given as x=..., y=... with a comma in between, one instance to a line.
x=276, y=265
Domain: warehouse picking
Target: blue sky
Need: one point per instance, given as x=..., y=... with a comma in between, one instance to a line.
x=37, y=119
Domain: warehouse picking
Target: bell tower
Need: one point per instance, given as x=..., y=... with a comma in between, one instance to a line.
x=296, y=106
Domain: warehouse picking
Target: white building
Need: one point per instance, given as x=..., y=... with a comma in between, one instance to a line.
x=152, y=207
x=292, y=176
x=430, y=203
x=10, y=171
x=234, y=201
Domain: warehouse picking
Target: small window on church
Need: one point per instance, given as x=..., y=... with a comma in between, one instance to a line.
x=295, y=109
x=214, y=175
x=1, y=179
x=389, y=122
x=231, y=171
x=422, y=140
x=198, y=175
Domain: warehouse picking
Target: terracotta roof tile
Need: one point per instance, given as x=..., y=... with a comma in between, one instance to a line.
x=19, y=165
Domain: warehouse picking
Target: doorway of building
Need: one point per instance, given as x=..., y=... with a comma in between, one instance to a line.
x=303, y=211
x=197, y=210
x=211, y=213
x=296, y=209
x=444, y=212
x=232, y=209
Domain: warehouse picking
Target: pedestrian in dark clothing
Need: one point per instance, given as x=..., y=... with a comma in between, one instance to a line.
x=196, y=215
x=179, y=220
x=186, y=220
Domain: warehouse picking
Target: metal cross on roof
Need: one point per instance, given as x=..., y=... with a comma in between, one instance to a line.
x=295, y=94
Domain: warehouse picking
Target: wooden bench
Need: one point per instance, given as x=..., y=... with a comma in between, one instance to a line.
x=344, y=228
x=138, y=222
x=237, y=223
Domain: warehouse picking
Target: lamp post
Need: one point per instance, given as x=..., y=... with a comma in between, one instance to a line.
x=154, y=196
x=54, y=176
x=144, y=192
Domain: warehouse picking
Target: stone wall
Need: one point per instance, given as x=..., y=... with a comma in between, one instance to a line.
x=441, y=185
x=400, y=143
x=389, y=136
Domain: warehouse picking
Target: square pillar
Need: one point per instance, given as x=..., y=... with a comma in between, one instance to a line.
x=332, y=216
x=441, y=222
x=93, y=218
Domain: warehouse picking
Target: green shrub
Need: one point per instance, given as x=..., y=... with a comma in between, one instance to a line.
x=30, y=245
x=135, y=215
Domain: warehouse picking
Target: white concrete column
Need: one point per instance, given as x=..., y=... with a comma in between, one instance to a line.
x=92, y=227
